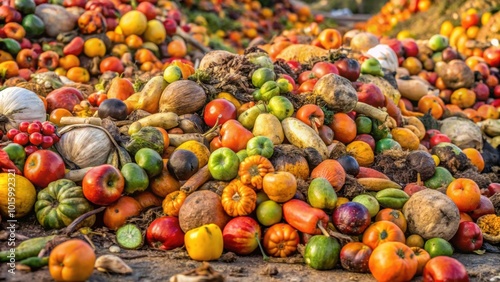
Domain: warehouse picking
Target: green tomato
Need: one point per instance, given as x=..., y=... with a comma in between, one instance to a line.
x=223, y=164
x=280, y=107
x=284, y=85
x=269, y=90
x=172, y=73
x=372, y=66
x=261, y=76
x=16, y=154
x=260, y=145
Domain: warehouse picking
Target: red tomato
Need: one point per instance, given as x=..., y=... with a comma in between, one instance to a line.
x=470, y=20
x=492, y=56
x=43, y=167
x=307, y=86
x=111, y=64
x=218, y=107
x=36, y=138
x=438, y=138
x=305, y=76
x=321, y=69
x=310, y=113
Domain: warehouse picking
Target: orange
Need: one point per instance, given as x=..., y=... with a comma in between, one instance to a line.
x=269, y=212
x=344, y=128
x=78, y=74
x=446, y=28
x=94, y=47
x=475, y=157
x=69, y=61
x=133, y=41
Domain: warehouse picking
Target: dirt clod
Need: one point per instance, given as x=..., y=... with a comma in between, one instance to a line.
x=269, y=270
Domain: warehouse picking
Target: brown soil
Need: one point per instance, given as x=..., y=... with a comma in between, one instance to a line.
x=152, y=265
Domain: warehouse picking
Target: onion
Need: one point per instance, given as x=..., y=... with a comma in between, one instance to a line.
x=182, y=97
x=462, y=132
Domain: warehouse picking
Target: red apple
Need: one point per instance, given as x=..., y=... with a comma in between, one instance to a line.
x=492, y=56
x=449, y=54
x=321, y=69
x=412, y=188
x=175, y=15
x=410, y=47
x=349, y=68
x=294, y=65
x=241, y=235
x=165, y=233
x=395, y=45
x=482, y=91
x=148, y=9
x=64, y=97
x=496, y=91
x=102, y=185
x=485, y=207
x=43, y=167
x=170, y=26
x=468, y=237
x=370, y=94
x=26, y=43
x=443, y=268
x=432, y=77
x=438, y=138
x=494, y=188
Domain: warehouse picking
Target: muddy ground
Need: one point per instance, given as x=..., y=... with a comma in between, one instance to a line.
x=152, y=265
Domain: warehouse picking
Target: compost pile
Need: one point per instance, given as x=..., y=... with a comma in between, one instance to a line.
x=127, y=130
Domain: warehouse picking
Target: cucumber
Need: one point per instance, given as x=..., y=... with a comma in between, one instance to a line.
x=129, y=236
x=35, y=262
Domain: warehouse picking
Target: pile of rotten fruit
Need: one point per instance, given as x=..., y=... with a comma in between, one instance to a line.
x=354, y=151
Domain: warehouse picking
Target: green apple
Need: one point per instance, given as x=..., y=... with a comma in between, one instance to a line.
x=372, y=66
x=438, y=42
x=280, y=106
x=136, y=178
x=223, y=164
x=260, y=145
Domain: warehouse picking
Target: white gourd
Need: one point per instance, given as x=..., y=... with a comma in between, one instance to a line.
x=19, y=104
x=386, y=56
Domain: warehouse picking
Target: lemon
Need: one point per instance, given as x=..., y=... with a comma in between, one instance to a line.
x=94, y=47
x=133, y=22
x=18, y=195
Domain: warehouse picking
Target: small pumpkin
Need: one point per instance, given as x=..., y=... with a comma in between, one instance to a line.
x=238, y=199
x=91, y=22
x=281, y=240
x=173, y=202
x=60, y=203
x=253, y=169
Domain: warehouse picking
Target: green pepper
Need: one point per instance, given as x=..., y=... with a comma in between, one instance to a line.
x=16, y=154
x=10, y=45
x=260, y=145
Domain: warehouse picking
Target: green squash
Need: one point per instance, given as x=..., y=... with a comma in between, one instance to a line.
x=60, y=203
x=322, y=252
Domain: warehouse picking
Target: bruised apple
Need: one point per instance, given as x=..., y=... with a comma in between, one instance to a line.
x=370, y=94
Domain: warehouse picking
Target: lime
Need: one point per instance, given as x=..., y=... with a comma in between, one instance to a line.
x=363, y=125
x=261, y=76
x=129, y=236
x=269, y=212
x=172, y=73
x=441, y=177
x=136, y=178
x=386, y=144
x=438, y=247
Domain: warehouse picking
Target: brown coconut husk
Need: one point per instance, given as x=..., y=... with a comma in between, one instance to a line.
x=393, y=164
x=351, y=188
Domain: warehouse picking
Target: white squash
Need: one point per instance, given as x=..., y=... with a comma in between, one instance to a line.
x=17, y=105
x=386, y=56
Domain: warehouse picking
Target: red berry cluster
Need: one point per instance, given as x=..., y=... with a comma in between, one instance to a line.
x=35, y=135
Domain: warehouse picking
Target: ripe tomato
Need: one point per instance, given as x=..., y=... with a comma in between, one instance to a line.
x=393, y=261
x=492, y=56
x=218, y=107
x=310, y=113
x=111, y=64
x=307, y=86
x=381, y=232
x=305, y=76
x=43, y=167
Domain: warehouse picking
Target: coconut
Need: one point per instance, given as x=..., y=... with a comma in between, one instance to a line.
x=182, y=97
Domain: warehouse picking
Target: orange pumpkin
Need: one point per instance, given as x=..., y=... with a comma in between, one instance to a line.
x=422, y=258
x=382, y=232
x=280, y=240
x=253, y=169
x=279, y=186
x=393, y=262
x=333, y=171
x=72, y=260
x=238, y=199
x=173, y=202
x=117, y=213
x=394, y=216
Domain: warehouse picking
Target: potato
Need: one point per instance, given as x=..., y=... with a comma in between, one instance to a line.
x=430, y=214
x=200, y=208
x=270, y=126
